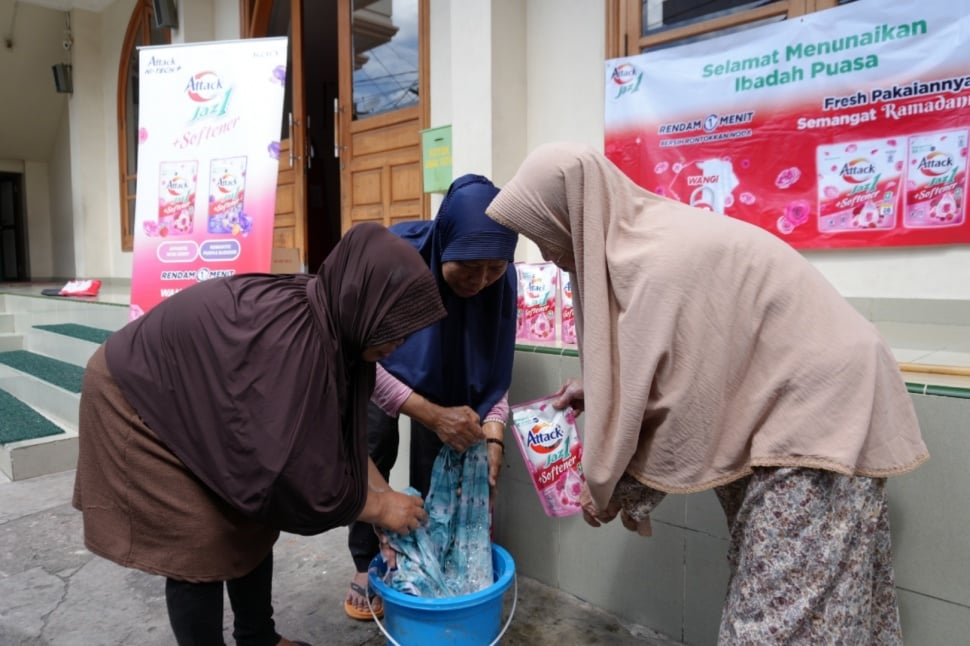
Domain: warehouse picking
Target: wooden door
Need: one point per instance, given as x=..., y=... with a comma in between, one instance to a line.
x=284, y=18
x=379, y=132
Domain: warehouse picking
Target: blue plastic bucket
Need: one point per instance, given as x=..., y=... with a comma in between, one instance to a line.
x=469, y=619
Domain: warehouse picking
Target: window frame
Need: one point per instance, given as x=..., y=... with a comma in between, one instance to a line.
x=139, y=27
x=624, y=20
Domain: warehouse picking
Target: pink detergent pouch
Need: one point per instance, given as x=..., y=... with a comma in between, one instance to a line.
x=550, y=446
x=537, y=301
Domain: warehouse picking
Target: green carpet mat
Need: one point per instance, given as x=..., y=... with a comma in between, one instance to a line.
x=83, y=332
x=60, y=373
x=18, y=421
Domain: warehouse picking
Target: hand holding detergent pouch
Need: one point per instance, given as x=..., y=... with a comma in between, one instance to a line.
x=550, y=446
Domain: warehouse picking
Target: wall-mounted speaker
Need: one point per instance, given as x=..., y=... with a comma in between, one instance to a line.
x=165, y=13
x=63, y=78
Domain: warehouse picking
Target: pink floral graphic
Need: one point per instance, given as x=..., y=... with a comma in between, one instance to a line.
x=541, y=327
x=796, y=214
x=788, y=177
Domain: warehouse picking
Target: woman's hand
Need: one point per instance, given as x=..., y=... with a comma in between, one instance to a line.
x=641, y=527
x=571, y=394
x=457, y=426
x=398, y=512
x=592, y=514
x=389, y=509
x=387, y=552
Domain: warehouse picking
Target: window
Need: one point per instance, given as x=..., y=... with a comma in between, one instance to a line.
x=385, y=42
x=637, y=26
x=142, y=31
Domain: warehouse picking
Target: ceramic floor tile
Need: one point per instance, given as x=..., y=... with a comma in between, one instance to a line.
x=909, y=355
x=921, y=336
x=947, y=358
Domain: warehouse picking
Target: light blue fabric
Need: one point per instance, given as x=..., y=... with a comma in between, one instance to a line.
x=452, y=554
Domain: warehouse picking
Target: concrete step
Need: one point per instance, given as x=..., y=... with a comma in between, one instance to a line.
x=11, y=341
x=40, y=405
x=49, y=445
x=44, y=345
x=71, y=343
x=62, y=374
x=49, y=399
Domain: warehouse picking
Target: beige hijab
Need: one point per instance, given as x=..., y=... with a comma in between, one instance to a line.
x=708, y=345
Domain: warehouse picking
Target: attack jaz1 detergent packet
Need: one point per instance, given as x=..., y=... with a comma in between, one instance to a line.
x=550, y=446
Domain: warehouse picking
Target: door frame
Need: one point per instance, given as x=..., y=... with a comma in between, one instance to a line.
x=254, y=18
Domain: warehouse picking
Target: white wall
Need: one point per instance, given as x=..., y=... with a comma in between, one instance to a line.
x=90, y=140
x=59, y=182
x=225, y=16
x=37, y=192
x=510, y=77
x=566, y=42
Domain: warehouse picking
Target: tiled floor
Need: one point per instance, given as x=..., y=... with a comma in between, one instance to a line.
x=113, y=292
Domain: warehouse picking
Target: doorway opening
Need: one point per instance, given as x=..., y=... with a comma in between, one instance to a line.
x=13, y=233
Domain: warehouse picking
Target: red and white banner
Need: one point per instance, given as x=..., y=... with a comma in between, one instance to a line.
x=208, y=158
x=843, y=128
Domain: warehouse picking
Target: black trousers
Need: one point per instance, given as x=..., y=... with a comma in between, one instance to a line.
x=383, y=440
x=195, y=609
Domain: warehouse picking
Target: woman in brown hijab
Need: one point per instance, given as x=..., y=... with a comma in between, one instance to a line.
x=714, y=356
x=237, y=409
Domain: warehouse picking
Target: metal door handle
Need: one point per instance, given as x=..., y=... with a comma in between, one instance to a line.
x=336, y=128
x=308, y=145
x=292, y=158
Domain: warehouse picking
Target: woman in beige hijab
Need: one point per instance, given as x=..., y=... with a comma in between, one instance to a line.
x=715, y=356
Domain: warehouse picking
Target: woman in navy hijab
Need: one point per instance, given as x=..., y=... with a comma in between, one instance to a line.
x=452, y=378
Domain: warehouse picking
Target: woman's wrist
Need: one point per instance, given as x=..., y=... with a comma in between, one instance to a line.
x=491, y=441
x=494, y=429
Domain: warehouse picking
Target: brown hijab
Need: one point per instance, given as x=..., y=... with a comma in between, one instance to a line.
x=708, y=345
x=256, y=381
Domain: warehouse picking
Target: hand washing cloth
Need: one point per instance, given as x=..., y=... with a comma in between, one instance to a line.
x=452, y=554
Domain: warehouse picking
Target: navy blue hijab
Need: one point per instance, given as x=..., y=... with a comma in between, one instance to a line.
x=465, y=358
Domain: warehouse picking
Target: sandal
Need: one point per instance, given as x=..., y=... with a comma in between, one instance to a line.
x=364, y=615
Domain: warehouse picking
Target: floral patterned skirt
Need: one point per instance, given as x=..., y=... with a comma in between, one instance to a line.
x=811, y=560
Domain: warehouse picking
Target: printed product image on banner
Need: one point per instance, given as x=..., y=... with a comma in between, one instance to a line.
x=859, y=185
x=936, y=180
x=227, y=192
x=176, y=199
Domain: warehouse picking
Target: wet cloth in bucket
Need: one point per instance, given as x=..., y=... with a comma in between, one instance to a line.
x=451, y=555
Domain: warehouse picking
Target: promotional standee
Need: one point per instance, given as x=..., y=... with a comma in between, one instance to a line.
x=844, y=128
x=208, y=155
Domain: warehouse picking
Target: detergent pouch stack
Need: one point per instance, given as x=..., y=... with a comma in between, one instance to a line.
x=567, y=314
x=550, y=446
